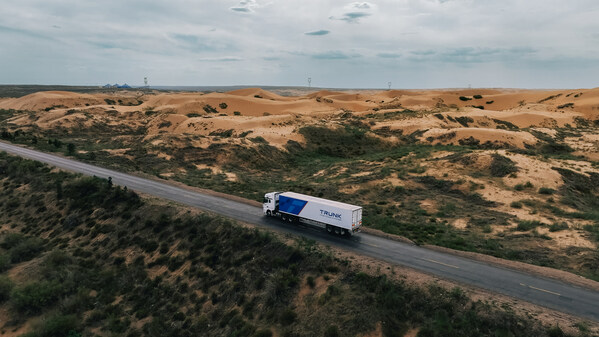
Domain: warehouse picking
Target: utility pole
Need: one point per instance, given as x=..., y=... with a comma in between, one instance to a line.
x=309, y=82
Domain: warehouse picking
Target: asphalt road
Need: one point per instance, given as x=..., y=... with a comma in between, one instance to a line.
x=549, y=293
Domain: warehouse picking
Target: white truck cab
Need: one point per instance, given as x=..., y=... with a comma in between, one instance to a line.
x=270, y=206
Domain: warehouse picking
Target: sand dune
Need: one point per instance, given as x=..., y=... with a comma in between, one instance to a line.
x=491, y=114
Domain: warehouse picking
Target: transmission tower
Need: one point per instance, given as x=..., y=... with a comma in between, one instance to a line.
x=389, y=84
x=309, y=82
x=146, y=82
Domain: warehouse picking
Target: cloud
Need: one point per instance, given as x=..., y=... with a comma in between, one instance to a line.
x=318, y=32
x=245, y=6
x=361, y=5
x=354, y=11
x=388, y=55
x=199, y=43
x=472, y=54
x=221, y=59
x=334, y=55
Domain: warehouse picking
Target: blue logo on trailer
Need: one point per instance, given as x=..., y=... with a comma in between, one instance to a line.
x=336, y=216
x=291, y=205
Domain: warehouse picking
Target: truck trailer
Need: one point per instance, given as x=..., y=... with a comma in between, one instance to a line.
x=336, y=217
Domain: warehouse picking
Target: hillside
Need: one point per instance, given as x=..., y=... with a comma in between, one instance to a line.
x=81, y=257
x=505, y=172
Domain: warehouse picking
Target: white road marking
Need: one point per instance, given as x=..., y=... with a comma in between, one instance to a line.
x=539, y=289
x=441, y=263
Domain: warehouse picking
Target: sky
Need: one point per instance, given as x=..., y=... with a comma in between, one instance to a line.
x=338, y=44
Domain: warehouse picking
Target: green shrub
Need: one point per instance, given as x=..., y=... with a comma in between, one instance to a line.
x=332, y=331
x=58, y=325
x=6, y=286
x=236, y=113
x=501, y=166
x=193, y=114
x=287, y=317
x=263, y=333
x=259, y=139
x=464, y=120
x=310, y=282
x=465, y=99
x=546, y=190
x=32, y=298
x=70, y=149
x=528, y=225
x=477, y=96
x=209, y=109
x=4, y=262
x=560, y=226
x=223, y=105
x=26, y=250
x=516, y=204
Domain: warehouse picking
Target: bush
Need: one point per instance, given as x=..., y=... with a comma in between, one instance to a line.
x=332, y=331
x=70, y=149
x=546, y=190
x=516, y=204
x=4, y=262
x=263, y=333
x=209, y=109
x=32, y=298
x=310, y=282
x=502, y=166
x=477, y=96
x=464, y=98
x=223, y=105
x=26, y=250
x=57, y=325
x=6, y=286
x=464, y=120
x=560, y=226
x=528, y=225
x=237, y=113
x=287, y=317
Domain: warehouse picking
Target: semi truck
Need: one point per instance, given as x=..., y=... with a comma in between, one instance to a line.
x=336, y=217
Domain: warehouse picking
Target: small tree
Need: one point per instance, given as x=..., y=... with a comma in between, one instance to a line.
x=71, y=149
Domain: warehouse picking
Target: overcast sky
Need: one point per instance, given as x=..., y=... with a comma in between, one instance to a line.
x=410, y=43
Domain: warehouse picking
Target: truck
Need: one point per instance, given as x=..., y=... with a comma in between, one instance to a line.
x=336, y=217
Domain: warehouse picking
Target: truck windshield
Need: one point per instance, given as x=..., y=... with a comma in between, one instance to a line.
x=265, y=200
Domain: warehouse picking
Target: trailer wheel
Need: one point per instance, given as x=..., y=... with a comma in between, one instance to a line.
x=329, y=229
x=342, y=232
x=284, y=217
x=290, y=219
x=337, y=230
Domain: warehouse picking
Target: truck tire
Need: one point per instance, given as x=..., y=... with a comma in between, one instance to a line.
x=268, y=213
x=284, y=217
x=342, y=232
x=329, y=229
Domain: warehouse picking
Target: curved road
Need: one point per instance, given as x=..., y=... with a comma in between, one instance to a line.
x=528, y=287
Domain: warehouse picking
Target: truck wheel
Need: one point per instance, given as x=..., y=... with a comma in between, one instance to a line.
x=269, y=213
x=337, y=230
x=284, y=217
x=342, y=232
x=329, y=229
